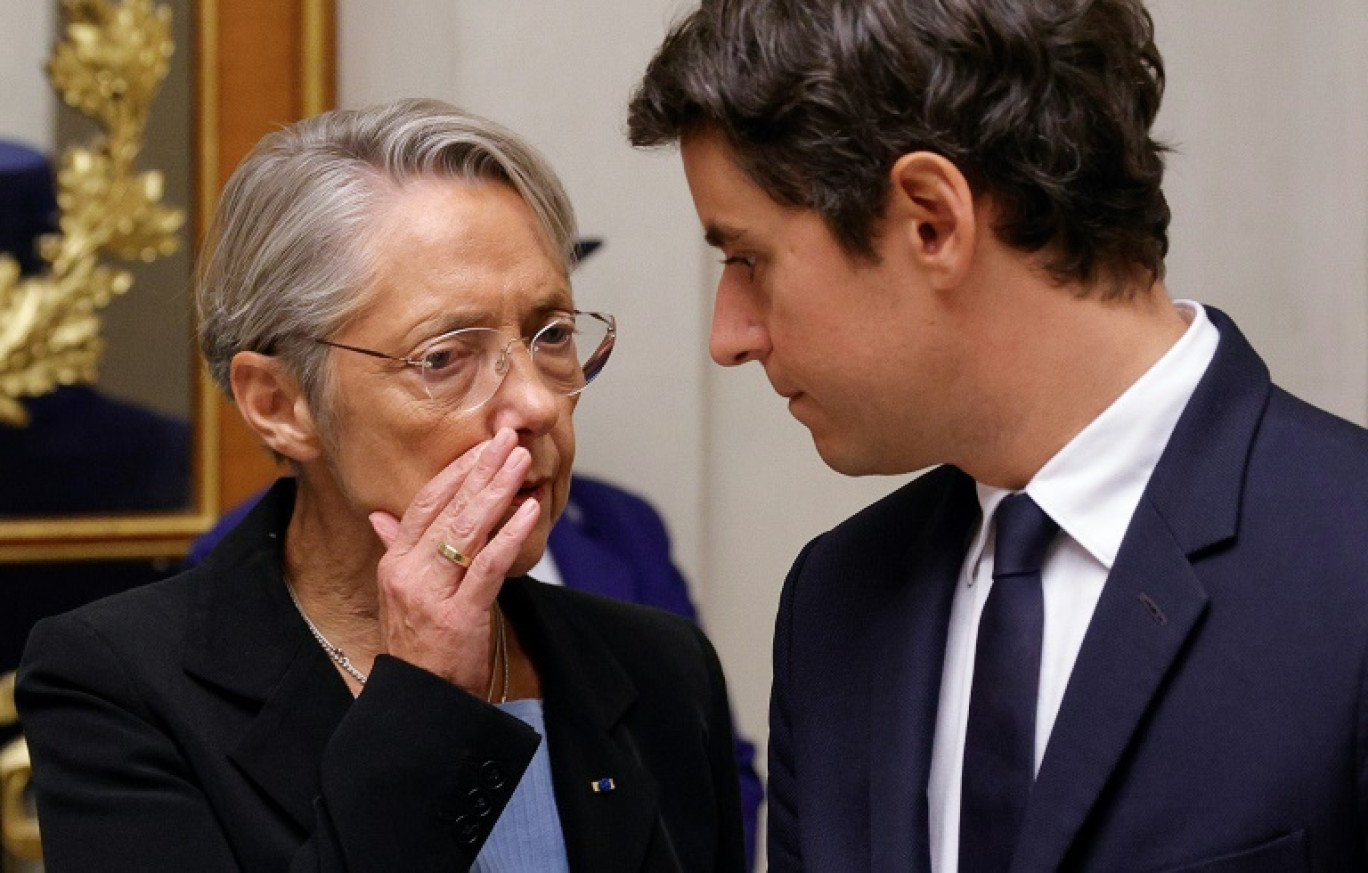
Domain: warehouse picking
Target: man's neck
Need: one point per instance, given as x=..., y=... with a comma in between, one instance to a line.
x=1054, y=361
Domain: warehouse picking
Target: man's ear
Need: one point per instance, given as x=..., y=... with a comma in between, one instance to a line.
x=273, y=404
x=932, y=206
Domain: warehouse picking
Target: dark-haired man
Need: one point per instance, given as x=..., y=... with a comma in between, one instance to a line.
x=1124, y=624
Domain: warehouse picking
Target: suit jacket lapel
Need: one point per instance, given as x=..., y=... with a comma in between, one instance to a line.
x=1153, y=600
x=1151, y=603
x=587, y=699
x=908, y=654
x=281, y=748
x=246, y=639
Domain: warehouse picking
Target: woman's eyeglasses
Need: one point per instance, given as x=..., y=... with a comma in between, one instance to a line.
x=464, y=368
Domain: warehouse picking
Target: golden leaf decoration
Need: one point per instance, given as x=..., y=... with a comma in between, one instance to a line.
x=109, y=67
x=113, y=60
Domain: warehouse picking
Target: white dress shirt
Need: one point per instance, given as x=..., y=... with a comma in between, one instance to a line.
x=1091, y=489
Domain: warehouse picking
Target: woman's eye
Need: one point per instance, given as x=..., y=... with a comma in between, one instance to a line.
x=437, y=359
x=556, y=334
x=447, y=356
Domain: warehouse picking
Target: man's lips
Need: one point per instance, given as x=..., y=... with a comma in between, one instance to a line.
x=782, y=388
x=799, y=407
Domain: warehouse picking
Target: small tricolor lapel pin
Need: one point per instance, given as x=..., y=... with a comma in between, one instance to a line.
x=602, y=786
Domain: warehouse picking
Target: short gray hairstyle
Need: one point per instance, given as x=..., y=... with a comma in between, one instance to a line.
x=286, y=258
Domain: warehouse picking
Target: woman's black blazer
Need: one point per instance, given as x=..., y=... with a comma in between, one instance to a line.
x=195, y=725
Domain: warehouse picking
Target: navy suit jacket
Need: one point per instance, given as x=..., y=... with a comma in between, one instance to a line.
x=1217, y=717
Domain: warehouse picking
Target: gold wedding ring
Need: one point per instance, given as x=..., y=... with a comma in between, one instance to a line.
x=454, y=555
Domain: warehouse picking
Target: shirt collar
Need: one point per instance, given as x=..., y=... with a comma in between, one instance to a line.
x=1092, y=486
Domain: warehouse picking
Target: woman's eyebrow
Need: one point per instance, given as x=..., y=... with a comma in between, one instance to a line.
x=557, y=301
x=441, y=324
x=554, y=302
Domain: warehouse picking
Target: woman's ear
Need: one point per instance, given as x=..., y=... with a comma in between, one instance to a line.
x=273, y=404
x=932, y=207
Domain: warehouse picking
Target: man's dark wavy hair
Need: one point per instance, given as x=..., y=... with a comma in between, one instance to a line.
x=1044, y=105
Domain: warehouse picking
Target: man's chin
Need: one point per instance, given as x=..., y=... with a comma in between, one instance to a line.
x=855, y=459
x=836, y=449
x=838, y=457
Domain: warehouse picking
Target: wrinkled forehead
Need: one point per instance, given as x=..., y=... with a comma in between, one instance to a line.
x=446, y=254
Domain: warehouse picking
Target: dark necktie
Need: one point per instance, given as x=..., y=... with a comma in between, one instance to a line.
x=999, y=745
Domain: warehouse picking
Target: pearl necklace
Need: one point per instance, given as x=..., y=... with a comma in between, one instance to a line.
x=340, y=658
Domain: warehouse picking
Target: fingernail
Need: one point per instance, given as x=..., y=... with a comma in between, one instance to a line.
x=500, y=443
x=375, y=525
x=530, y=509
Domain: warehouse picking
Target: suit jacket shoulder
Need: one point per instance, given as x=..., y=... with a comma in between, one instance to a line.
x=866, y=558
x=858, y=646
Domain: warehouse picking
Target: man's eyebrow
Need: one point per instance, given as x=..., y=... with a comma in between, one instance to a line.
x=719, y=235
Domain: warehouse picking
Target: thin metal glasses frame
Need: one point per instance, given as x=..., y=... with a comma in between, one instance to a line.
x=593, y=363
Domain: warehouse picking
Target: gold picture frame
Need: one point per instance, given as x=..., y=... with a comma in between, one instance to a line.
x=293, y=42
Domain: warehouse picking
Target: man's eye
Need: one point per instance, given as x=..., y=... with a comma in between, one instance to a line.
x=739, y=261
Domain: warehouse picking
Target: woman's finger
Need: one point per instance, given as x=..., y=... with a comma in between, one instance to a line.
x=486, y=575
x=467, y=523
x=386, y=527
x=476, y=466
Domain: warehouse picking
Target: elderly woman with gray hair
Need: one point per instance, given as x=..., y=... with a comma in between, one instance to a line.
x=360, y=677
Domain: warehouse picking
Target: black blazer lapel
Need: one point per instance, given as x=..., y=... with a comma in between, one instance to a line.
x=909, y=652
x=605, y=830
x=282, y=746
x=588, y=699
x=1153, y=600
x=246, y=641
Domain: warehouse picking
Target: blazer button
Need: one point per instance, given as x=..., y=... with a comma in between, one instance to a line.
x=467, y=830
x=492, y=775
x=480, y=803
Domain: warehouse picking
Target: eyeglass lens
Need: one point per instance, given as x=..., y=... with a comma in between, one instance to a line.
x=464, y=368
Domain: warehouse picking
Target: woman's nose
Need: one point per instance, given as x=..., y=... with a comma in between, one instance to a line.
x=525, y=402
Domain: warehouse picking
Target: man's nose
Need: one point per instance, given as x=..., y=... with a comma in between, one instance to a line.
x=738, y=330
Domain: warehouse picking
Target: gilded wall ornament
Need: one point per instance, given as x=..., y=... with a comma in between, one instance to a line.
x=109, y=66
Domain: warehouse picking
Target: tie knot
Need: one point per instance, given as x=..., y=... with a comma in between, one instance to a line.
x=1024, y=532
